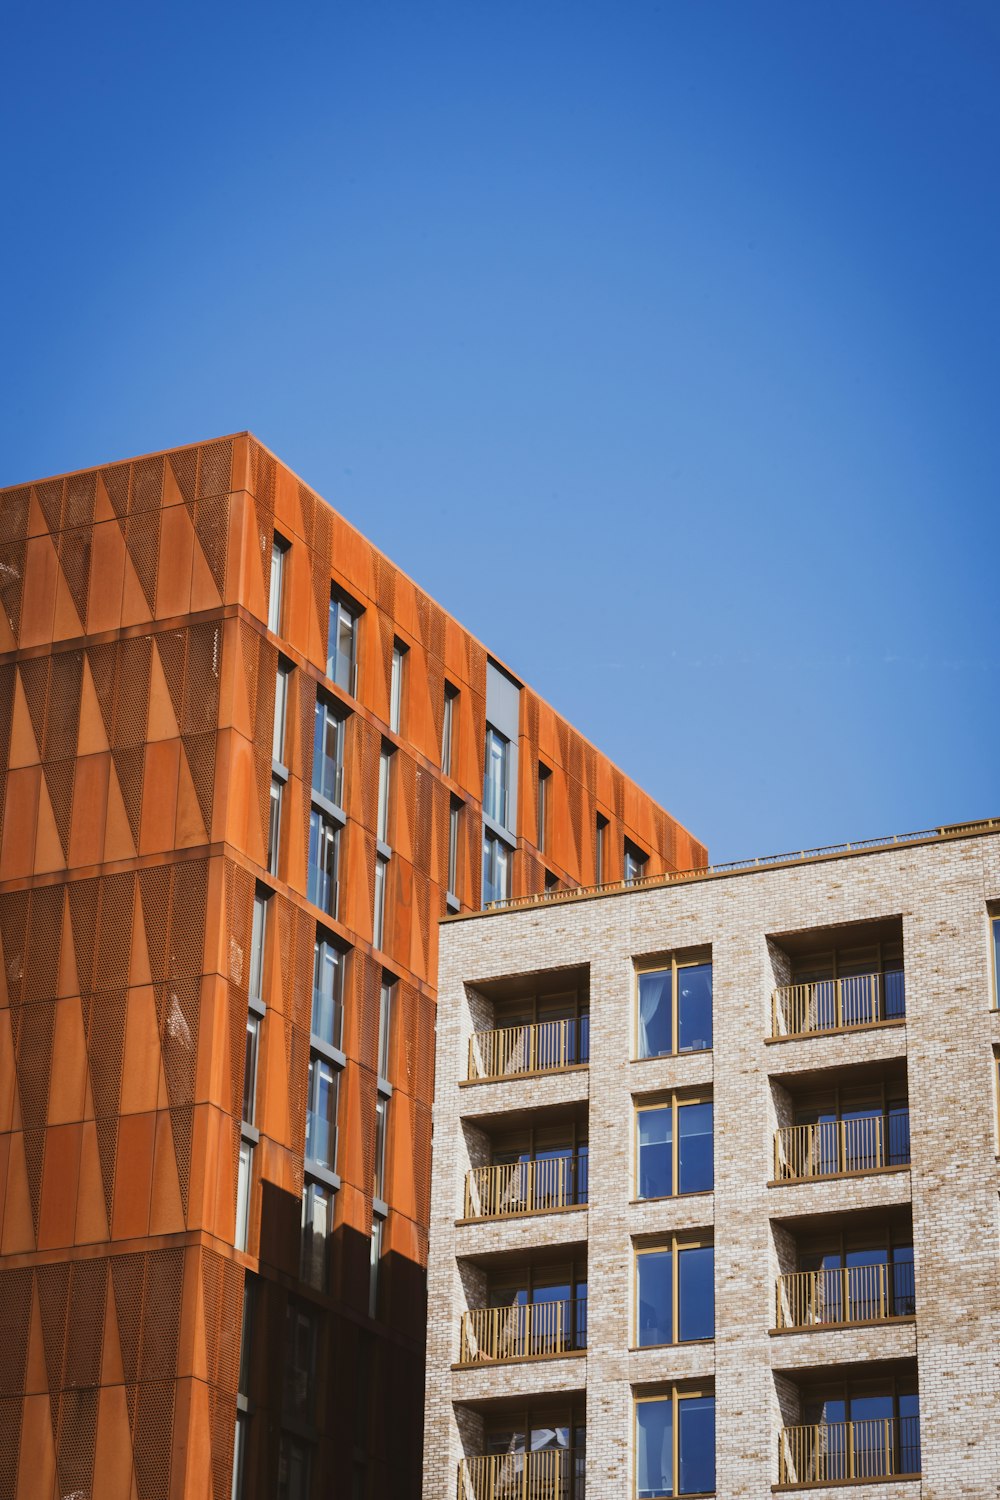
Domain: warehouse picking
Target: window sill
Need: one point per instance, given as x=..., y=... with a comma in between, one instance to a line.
x=503, y=834
x=677, y=1344
x=663, y=1056
x=329, y=808
x=322, y=1174
x=676, y=1197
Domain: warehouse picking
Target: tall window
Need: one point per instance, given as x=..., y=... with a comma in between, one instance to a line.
x=381, y=1131
x=385, y=1009
x=244, y=1187
x=275, y=598
x=675, y=1444
x=328, y=752
x=601, y=850
x=674, y=1292
x=250, y=1067
x=274, y=825
x=635, y=863
x=674, y=1148
x=378, y=1224
x=396, y=686
x=342, y=644
x=328, y=993
x=294, y=1468
x=495, y=780
x=258, y=934
x=280, y=712
x=454, y=826
x=378, y=920
x=321, y=1117
x=448, y=728
x=674, y=1009
x=384, y=790
x=543, y=804
x=317, y=1229
x=496, y=869
x=324, y=857
x=995, y=924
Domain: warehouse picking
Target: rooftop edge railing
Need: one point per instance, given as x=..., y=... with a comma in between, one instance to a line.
x=524, y=1187
x=845, y=1294
x=545, y=1047
x=549, y=1474
x=530, y=1331
x=838, y=1004
x=761, y=862
x=832, y=1147
x=833, y=1452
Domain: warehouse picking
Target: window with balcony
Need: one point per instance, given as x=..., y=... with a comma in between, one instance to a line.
x=635, y=863
x=496, y=869
x=324, y=859
x=321, y=1112
x=853, y=1429
x=858, y=1272
x=849, y=1129
x=342, y=644
x=397, y=686
x=534, y=1033
x=275, y=600
x=840, y=980
x=675, y=1443
x=449, y=729
x=674, y=1292
x=496, y=785
x=538, y=1455
x=281, y=682
x=328, y=751
x=530, y=1312
x=674, y=1147
x=674, y=1008
x=532, y=1171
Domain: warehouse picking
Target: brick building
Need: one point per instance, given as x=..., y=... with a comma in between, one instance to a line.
x=245, y=767
x=715, y=1184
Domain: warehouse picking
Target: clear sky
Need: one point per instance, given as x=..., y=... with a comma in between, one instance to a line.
x=658, y=341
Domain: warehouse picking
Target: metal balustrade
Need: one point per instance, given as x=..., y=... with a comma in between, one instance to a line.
x=845, y=1294
x=524, y=1187
x=531, y=1331
x=838, y=1004
x=831, y=1147
x=542, y=1048
x=549, y=1474
x=831, y=1452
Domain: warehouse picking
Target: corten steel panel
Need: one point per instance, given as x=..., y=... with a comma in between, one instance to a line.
x=137, y=694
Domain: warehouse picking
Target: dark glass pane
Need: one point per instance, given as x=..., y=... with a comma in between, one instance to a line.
x=696, y=1419
x=655, y=1014
x=695, y=1149
x=696, y=1293
x=895, y=994
x=694, y=1008
x=654, y=1298
x=654, y=1459
x=655, y=1152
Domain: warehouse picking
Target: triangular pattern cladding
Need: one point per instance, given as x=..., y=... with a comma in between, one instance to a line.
x=202, y=679
x=84, y=899
x=107, y=1152
x=264, y=527
x=211, y=525
x=11, y=1408
x=76, y=1442
x=130, y=768
x=171, y=647
x=132, y=691
x=80, y=502
x=13, y=556
x=7, y=683
x=53, y=1301
x=322, y=551
x=35, y=683
x=146, y=493
x=115, y=935
x=222, y=1290
x=50, y=497
x=74, y=551
x=15, y=1300
x=142, y=543
x=116, y=484
x=154, y=892
x=103, y=663
x=77, y=1436
x=14, y=514
x=215, y=467
x=60, y=780
x=128, y=1277
x=105, y=1015
x=184, y=466
x=200, y=752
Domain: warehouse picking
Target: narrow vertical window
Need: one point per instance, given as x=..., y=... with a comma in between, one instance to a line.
x=258, y=934
x=384, y=788
x=635, y=863
x=996, y=961
x=317, y=1229
x=496, y=869
x=601, y=853
x=280, y=712
x=381, y=1131
x=448, y=729
x=495, y=786
x=328, y=752
x=543, y=804
x=342, y=644
x=321, y=1115
x=328, y=993
x=454, y=826
x=378, y=923
x=385, y=1009
x=274, y=826
x=376, y=1260
x=396, y=686
x=275, y=598
x=250, y=1068
x=674, y=1009
x=324, y=858
x=244, y=1184
x=675, y=1444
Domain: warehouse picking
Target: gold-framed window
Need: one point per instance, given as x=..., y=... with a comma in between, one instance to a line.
x=674, y=1291
x=674, y=1442
x=674, y=1145
x=673, y=1006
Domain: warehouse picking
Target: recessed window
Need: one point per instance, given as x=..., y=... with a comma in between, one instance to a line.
x=324, y=859
x=449, y=728
x=384, y=792
x=396, y=686
x=317, y=1230
x=385, y=1009
x=274, y=825
x=381, y=1133
x=495, y=780
x=244, y=1187
x=328, y=751
x=321, y=1115
x=675, y=1444
x=251, y=1052
x=674, y=1293
x=294, y=1469
x=378, y=920
x=634, y=867
x=601, y=850
x=378, y=1225
x=674, y=1148
x=258, y=934
x=454, y=828
x=328, y=993
x=342, y=644
x=544, y=775
x=496, y=869
x=995, y=926
x=279, y=548
x=674, y=1009
x=280, y=712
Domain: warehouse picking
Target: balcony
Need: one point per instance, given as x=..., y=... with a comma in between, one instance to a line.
x=838, y=1004
x=550, y=1474
x=536, y=1330
x=838, y=1296
x=832, y=1148
x=839, y=1452
x=525, y=1187
x=548, y=1047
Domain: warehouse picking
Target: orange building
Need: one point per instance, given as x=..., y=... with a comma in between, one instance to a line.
x=246, y=767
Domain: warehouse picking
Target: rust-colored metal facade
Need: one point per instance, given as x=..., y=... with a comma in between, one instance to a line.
x=137, y=700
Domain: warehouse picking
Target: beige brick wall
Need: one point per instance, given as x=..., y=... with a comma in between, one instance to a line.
x=940, y=891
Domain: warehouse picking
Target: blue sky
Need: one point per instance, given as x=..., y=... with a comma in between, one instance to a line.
x=658, y=341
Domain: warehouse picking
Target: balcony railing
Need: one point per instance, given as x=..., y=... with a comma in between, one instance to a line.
x=832, y=1147
x=845, y=1294
x=838, y=1004
x=523, y=1332
x=550, y=1474
x=524, y=1187
x=544, y=1048
x=831, y=1452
